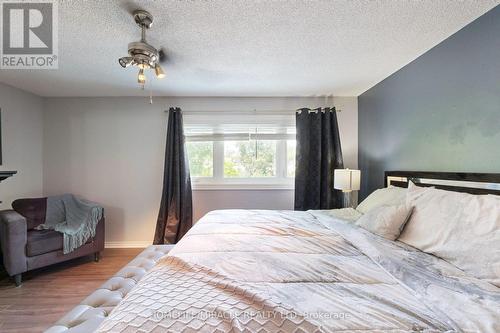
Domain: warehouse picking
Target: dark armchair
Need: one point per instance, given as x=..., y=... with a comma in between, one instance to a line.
x=24, y=248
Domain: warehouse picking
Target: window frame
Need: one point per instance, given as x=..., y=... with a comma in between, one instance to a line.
x=280, y=181
x=214, y=123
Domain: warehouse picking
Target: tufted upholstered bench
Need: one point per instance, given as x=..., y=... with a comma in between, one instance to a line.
x=86, y=317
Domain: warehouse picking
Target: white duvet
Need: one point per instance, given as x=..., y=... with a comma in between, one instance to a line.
x=284, y=271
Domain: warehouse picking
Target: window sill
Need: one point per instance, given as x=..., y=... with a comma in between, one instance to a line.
x=240, y=187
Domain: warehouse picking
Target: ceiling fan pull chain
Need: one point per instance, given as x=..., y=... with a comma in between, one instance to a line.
x=256, y=136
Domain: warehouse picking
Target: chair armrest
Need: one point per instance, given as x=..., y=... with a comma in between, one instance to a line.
x=13, y=238
x=100, y=234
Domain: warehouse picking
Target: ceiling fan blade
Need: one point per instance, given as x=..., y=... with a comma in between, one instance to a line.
x=163, y=57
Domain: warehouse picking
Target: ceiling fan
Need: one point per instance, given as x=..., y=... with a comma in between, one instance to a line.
x=141, y=54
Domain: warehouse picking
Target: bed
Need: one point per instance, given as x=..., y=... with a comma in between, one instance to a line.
x=290, y=271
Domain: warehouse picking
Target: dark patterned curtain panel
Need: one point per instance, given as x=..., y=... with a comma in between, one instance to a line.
x=318, y=155
x=176, y=208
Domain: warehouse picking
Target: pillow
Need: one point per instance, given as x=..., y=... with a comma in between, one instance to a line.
x=33, y=210
x=389, y=196
x=461, y=228
x=386, y=221
x=414, y=192
x=346, y=214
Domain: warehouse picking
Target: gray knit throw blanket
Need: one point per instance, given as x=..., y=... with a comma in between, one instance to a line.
x=75, y=218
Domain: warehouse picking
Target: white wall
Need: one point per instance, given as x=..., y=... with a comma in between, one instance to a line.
x=111, y=150
x=207, y=200
x=22, y=136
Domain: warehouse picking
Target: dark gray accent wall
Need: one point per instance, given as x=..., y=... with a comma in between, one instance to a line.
x=441, y=112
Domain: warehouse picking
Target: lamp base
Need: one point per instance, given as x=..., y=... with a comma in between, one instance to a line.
x=348, y=200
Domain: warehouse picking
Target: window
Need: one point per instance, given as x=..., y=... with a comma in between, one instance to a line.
x=201, y=156
x=249, y=159
x=290, y=158
x=240, y=150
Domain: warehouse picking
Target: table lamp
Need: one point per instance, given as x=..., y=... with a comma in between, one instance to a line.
x=347, y=180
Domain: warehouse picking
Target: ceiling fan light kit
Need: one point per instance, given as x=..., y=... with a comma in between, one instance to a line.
x=159, y=71
x=141, y=78
x=141, y=54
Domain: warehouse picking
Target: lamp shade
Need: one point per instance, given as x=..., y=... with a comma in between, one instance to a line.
x=347, y=180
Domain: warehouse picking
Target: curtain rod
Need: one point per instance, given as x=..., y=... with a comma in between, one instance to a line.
x=253, y=112
x=316, y=110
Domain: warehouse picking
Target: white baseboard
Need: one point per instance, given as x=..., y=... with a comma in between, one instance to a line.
x=127, y=244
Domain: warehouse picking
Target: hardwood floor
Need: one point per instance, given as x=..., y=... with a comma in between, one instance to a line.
x=48, y=293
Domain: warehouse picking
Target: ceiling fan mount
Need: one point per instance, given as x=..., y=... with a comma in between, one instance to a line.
x=142, y=54
x=143, y=18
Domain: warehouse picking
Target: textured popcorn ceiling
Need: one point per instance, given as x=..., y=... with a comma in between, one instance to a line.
x=246, y=47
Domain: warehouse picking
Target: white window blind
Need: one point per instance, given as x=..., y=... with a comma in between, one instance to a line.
x=231, y=126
